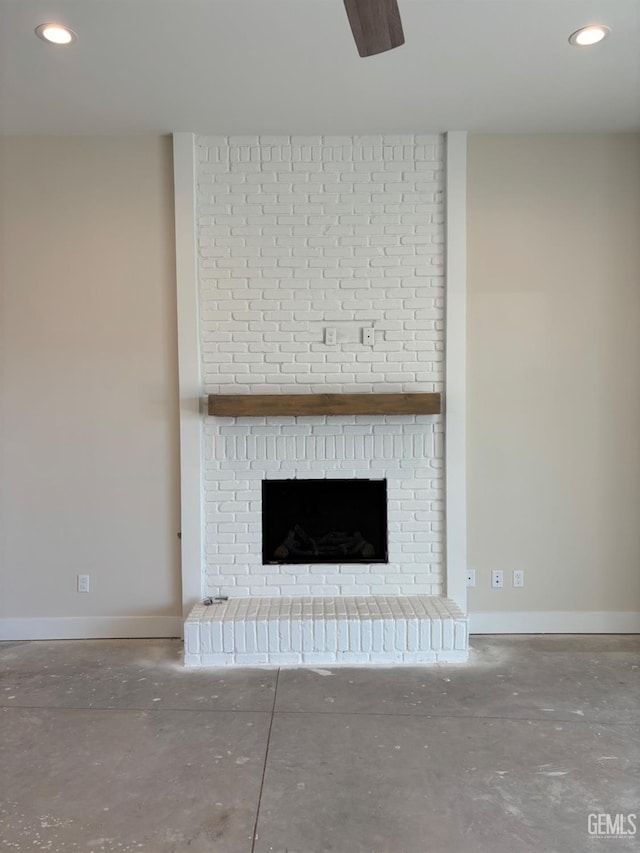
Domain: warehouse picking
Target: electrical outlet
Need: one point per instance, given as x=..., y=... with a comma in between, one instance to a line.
x=83, y=583
x=471, y=577
x=330, y=336
x=368, y=337
x=497, y=579
x=518, y=578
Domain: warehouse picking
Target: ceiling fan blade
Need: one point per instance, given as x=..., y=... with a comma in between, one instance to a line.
x=375, y=24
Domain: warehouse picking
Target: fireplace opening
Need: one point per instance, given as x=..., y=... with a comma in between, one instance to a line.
x=324, y=521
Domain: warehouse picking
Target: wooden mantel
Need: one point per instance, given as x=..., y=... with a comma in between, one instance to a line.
x=260, y=405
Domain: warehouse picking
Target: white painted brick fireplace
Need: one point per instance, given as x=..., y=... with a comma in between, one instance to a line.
x=297, y=235
x=401, y=449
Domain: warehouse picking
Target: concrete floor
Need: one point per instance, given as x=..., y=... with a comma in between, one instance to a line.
x=111, y=745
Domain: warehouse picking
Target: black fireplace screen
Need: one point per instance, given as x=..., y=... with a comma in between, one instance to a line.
x=324, y=521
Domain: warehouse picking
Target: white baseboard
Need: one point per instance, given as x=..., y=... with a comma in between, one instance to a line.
x=555, y=622
x=90, y=627
x=124, y=627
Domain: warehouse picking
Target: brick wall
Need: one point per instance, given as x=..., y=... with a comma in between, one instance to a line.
x=297, y=235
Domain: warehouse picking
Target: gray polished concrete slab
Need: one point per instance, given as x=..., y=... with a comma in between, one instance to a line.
x=346, y=782
x=161, y=781
x=114, y=746
x=129, y=674
x=541, y=678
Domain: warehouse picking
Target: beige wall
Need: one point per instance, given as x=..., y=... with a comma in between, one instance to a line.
x=88, y=382
x=89, y=452
x=554, y=371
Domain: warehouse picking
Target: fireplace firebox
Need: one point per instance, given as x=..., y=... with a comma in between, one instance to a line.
x=324, y=521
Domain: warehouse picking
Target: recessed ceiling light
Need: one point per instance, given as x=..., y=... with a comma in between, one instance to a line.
x=586, y=36
x=56, y=34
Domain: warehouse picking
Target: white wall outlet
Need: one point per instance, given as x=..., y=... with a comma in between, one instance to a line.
x=330, y=336
x=497, y=579
x=83, y=583
x=368, y=337
x=518, y=578
x=471, y=577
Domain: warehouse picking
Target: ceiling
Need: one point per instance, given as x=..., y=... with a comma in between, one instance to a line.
x=291, y=66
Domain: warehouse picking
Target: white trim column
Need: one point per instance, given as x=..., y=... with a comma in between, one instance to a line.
x=184, y=177
x=456, y=368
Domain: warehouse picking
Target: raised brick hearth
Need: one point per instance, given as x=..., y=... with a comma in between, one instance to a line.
x=322, y=630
